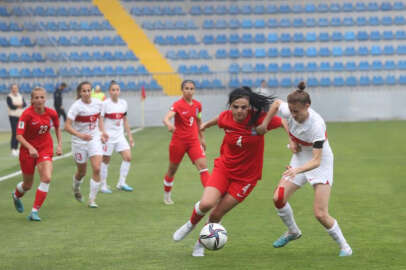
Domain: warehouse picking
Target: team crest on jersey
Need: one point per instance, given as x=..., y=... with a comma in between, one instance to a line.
x=21, y=124
x=254, y=131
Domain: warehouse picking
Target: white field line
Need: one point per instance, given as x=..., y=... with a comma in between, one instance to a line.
x=11, y=175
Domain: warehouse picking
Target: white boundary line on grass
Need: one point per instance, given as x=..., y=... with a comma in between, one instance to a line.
x=11, y=175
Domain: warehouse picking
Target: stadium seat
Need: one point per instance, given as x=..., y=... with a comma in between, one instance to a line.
x=299, y=67
x=247, y=53
x=285, y=37
x=311, y=37
x=284, y=22
x=311, y=67
x=362, y=51
x=335, y=21
x=361, y=21
x=312, y=82
x=399, y=20
x=221, y=39
x=298, y=22
x=338, y=66
x=273, y=52
x=350, y=51
x=260, y=53
x=259, y=24
x=350, y=66
x=338, y=81
x=273, y=83
x=259, y=38
x=401, y=50
x=260, y=68
x=386, y=20
x=286, y=82
x=234, y=53
x=375, y=35
x=363, y=66
x=324, y=37
x=348, y=21
x=246, y=24
x=324, y=52
x=378, y=80
x=402, y=80
x=246, y=38
x=234, y=38
x=286, y=67
x=273, y=37
x=273, y=23
x=351, y=81
x=234, y=24
x=390, y=80
x=337, y=51
x=400, y=35
x=376, y=50
x=389, y=65
x=298, y=37
x=325, y=66
x=374, y=21
x=322, y=8
x=310, y=22
x=273, y=68
x=388, y=50
x=271, y=9
x=221, y=54
x=247, y=68
x=285, y=52
x=298, y=52
x=323, y=22
x=364, y=81
x=388, y=35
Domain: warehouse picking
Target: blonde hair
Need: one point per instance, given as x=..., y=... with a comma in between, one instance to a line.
x=36, y=89
x=299, y=95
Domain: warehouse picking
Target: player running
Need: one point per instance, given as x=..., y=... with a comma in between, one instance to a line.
x=239, y=167
x=114, y=115
x=186, y=138
x=36, y=150
x=312, y=162
x=85, y=125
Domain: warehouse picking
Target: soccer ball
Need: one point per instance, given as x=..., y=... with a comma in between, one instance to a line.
x=213, y=236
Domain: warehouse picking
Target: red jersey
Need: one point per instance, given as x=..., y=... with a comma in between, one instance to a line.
x=242, y=150
x=185, y=119
x=35, y=128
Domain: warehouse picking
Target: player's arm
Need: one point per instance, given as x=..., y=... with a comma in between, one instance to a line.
x=74, y=132
x=128, y=130
x=31, y=149
x=58, y=134
x=201, y=134
x=209, y=123
x=104, y=136
x=262, y=128
x=310, y=165
x=167, y=121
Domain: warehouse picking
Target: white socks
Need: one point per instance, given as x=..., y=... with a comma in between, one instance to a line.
x=20, y=188
x=286, y=214
x=94, y=188
x=125, y=167
x=103, y=174
x=77, y=183
x=336, y=233
x=43, y=187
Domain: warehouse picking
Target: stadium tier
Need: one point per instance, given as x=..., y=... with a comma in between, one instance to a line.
x=220, y=44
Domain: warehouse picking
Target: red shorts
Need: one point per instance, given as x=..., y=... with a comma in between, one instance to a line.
x=28, y=163
x=239, y=190
x=177, y=150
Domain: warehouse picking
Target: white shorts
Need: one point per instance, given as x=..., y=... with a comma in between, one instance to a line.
x=320, y=175
x=81, y=152
x=118, y=145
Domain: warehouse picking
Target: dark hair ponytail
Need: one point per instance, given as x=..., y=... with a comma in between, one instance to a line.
x=299, y=95
x=259, y=103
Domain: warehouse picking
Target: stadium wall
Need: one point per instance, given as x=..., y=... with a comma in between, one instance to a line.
x=334, y=105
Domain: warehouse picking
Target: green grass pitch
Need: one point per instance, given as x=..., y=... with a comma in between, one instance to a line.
x=134, y=230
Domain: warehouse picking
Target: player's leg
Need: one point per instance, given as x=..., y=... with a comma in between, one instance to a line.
x=198, y=157
x=27, y=165
x=45, y=173
x=104, y=168
x=176, y=152
x=282, y=193
x=124, y=149
x=321, y=198
x=216, y=187
x=80, y=156
x=95, y=162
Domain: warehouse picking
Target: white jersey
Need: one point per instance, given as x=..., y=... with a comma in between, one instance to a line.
x=85, y=118
x=113, y=113
x=313, y=129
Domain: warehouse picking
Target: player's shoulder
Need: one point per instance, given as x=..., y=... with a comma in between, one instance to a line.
x=225, y=114
x=315, y=117
x=28, y=111
x=196, y=103
x=122, y=101
x=50, y=111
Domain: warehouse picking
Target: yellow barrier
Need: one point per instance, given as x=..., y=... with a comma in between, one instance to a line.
x=141, y=46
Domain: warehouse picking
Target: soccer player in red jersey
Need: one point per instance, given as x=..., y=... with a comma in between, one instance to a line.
x=239, y=166
x=36, y=150
x=186, y=138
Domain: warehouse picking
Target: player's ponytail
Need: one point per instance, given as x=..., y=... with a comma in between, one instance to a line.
x=299, y=95
x=113, y=82
x=79, y=88
x=259, y=103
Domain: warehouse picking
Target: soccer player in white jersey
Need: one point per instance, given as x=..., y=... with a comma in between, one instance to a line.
x=85, y=125
x=312, y=161
x=114, y=115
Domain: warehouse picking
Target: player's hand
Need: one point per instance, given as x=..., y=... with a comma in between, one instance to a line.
x=261, y=129
x=131, y=140
x=203, y=143
x=171, y=128
x=33, y=152
x=203, y=126
x=290, y=173
x=294, y=147
x=59, y=150
x=104, y=137
x=85, y=137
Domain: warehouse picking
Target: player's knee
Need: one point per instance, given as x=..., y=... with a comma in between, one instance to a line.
x=127, y=158
x=27, y=186
x=320, y=214
x=215, y=217
x=205, y=206
x=279, y=197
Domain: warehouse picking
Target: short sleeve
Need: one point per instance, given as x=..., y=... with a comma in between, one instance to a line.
x=174, y=107
x=220, y=119
x=55, y=118
x=73, y=112
x=125, y=107
x=22, y=123
x=319, y=133
x=103, y=110
x=284, y=111
x=275, y=122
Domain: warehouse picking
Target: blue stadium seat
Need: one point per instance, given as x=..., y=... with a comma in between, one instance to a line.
x=310, y=8
x=182, y=54
x=234, y=38
x=234, y=10
x=273, y=52
x=386, y=20
x=351, y=81
x=246, y=38
x=260, y=68
x=322, y=8
x=401, y=50
x=362, y=51
x=350, y=66
x=246, y=24
x=312, y=82
x=349, y=36
x=399, y=20
x=389, y=65
x=247, y=53
x=388, y=50
x=338, y=66
x=273, y=68
x=364, y=81
x=273, y=37
x=26, y=73
x=284, y=22
x=325, y=66
x=234, y=53
x=234, y=24
x=324, y=52
x=259, y=38
x=361, y=21
x=259, y=24
x=273, y=83
x=378, y=80
x=247, y=68
x=400, y=35
x=362, y=35
x=286, y=82
x=402, y=80
x=271, y=9
x=286, y=67
x=323, y=22
x=363, y=66
x=348, y=21
x=337, y=51
x=234, y=83
x=221, y=24
x=273, y=23
x=246, y=9
x=208, y=39
x=335, y=21
x=298, y=52
x=285, y=37
x=338, y=81
x=221, y=10
x=13, y=57
x=386, y=6
x=374, y=21
x=347, y=7
x=311, y=67
x=3, y=57
x=204, y=54
x=373, y=6
x=284, y=8
x=208, y=24
x=398, y=6
x=390, y=80
x=221, y=39
x=360, y=7
x=310, y=22
x=337, y=36
x=49, y=72
x=401, y=65
x=311, y=52
x=388, y=35
x=298, y=37
x=260, y=53
x=299, y=67
x=376, y=50
x=298, y=22
x=324, y=36
x=375, y=35
x=335, y=7
x=285, y=52
x=221, y=54
x=37, y=72
x=297, y=8
x=311, y=37
x=259, y=9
